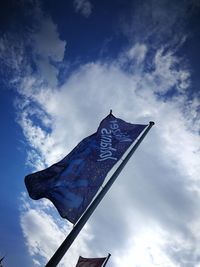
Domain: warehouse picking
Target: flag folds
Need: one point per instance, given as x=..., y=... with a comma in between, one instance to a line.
x=90, y=262
x=72, y=182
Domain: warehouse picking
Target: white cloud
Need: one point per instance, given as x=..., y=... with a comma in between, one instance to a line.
x=12, y=53
x=45, y=44
x=44, y=234
x=48, y=46
x=137, y=52
x=151, y=215
x=157, y=191
x=145, y=249
x=164, y=74
x=83, y=7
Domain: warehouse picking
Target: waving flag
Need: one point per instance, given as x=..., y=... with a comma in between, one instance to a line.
x=72, y=183
x=90, y=262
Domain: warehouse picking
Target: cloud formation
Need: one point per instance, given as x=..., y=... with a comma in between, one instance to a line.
x=84, y=7
x=165, y=201
x=158, y=22
x=150, y=217
x=42, y=244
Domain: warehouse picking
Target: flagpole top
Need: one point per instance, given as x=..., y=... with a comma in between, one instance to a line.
x=151, y=123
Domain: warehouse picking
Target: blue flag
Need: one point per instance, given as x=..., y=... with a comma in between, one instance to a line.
x=72, y=182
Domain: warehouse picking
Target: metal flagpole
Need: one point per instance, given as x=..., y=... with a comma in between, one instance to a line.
x=56, y=258
x=106, y=260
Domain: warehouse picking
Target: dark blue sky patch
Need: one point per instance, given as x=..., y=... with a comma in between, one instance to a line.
x=17, y=16
x=97, y=38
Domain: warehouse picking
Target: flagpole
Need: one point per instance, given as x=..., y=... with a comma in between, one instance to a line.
x=106, y=260
x=56, y=258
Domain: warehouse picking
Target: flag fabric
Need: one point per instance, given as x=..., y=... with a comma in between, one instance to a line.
x=72, y=183
x=90, y=262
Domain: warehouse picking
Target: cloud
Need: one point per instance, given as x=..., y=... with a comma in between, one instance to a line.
x=155, y=22
x=47, y=48
x=44, y=234
x=84, y=7
x=158, y=190
x=166, y=75
x=47, y=42
x=137, y=53
x=141, y=249
x=150, y=216
x=161, y=73
x=38, y=49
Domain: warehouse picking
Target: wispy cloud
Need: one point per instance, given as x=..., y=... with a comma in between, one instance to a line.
x=158, y=22
x=37, y=50
x=83, y=7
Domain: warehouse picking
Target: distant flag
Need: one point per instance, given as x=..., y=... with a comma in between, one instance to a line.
x=92, y=262
x=72, y=183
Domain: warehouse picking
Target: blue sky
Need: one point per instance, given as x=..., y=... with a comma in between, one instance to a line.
x=64, y=65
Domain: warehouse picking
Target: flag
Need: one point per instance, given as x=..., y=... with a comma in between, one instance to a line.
x=72, y=183
x=90, y=262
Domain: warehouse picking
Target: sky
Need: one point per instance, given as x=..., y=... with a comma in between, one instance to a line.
x=63, y=66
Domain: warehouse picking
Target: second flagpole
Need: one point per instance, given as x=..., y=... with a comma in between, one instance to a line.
x=56, y=258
